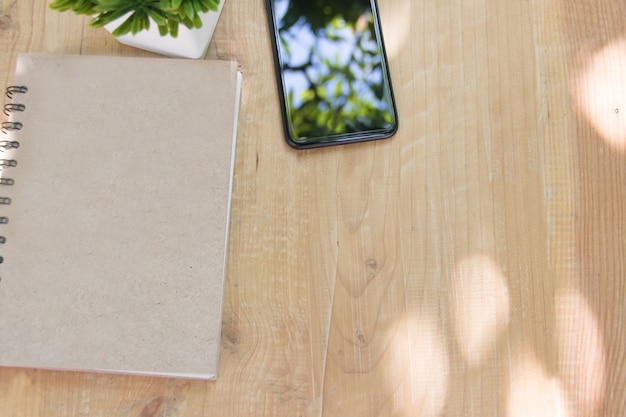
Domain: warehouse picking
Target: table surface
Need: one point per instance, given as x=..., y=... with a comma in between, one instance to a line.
x=473, y=265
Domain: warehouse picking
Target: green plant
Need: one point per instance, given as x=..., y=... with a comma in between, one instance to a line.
x=167, y=14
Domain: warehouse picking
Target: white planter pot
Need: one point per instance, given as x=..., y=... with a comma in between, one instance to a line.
x=190, y=43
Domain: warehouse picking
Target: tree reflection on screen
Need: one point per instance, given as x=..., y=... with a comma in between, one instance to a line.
x=332, y=66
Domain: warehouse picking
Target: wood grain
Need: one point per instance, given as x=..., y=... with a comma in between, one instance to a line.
x=472, y=265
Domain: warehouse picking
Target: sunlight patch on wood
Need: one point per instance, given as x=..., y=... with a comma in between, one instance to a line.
x=479, y=307
x=582, y=356
x=600, y=93
x=396, y=21
x=534, y=393
x=419, y=349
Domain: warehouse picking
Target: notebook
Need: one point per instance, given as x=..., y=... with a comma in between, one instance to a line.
x=115, y=191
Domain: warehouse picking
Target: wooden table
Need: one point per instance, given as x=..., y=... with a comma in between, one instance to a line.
x=473, y=265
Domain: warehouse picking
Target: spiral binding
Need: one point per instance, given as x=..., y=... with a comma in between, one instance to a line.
x=6, y=127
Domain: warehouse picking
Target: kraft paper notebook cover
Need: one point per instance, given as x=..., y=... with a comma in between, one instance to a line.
x=116, y=229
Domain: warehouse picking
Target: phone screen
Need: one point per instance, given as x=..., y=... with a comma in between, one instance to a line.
x=332, y=71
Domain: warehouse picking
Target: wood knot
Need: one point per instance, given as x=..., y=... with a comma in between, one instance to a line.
x=159, y=407
x=359, y=338
x=153, y=407
x=372, y=264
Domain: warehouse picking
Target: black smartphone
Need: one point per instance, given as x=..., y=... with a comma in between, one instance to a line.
x=332, y=72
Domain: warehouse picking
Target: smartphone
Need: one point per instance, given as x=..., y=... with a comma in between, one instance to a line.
x=332, y=72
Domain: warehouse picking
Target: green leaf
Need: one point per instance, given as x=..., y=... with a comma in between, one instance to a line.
x=158, y=18
x=189, y=10
x=107, y=17
x=165, y=5
x=145, y=21
x=84, y=7
x=208, y=5
x=124, y=28
x=163, y=29
x=187, y=22
x=136, y=26
x=197, y=6
x=173, y=26
x=197, y=22
x=76, y=6
x=215, y=5
x=112, y=5
x=61, y=5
